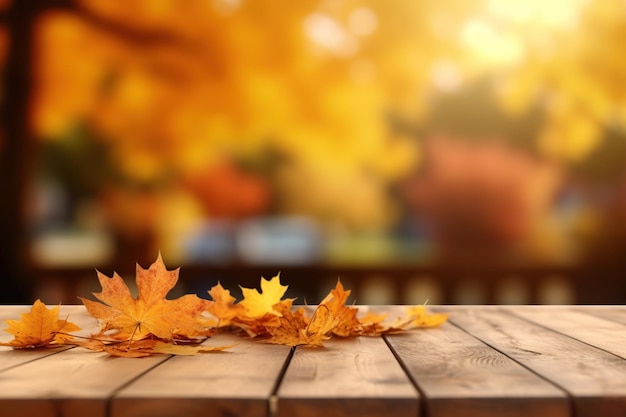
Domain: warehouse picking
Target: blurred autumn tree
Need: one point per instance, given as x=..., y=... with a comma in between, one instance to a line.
x=241, y=107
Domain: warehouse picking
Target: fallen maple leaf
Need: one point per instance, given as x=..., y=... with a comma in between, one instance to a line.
x=421, y=318
x=151, y=324
x=372, y=323
x=150, y=313
x=330, y=317
x=259, y=303
x=345, y=317
x=132, y=349
x=223, y=307
x=173, y=349
x=40, y=327
x=147, y=347
x=333, y=317
x=319, y=328
x=415, y=317
x=288, y=326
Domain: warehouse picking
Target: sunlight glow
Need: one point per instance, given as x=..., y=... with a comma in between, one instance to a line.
x=362, y=21
x=327, y=33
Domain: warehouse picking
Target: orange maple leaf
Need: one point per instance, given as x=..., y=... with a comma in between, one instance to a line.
x=373, y=323
x=150, y=313
x=296, y=330
x=345, y=317
x=320, y=326
x=286, y=328
x=331, y=317
x=223, y=307
x=147, y=347
x=40, y=327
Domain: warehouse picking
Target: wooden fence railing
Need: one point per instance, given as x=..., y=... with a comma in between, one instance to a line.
x=373, y=284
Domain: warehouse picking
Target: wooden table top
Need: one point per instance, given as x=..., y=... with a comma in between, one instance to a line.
x=486, y=361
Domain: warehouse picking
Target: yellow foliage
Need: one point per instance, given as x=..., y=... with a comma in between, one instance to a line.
x=174, y=88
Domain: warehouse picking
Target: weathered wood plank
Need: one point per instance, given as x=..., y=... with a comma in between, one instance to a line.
x=10, y=357
x=595, y=379
x=596, y=331
x=62, y=382
x=238, y=382
x=460, y=376
x=73, y=383
x=457, y=374
x=615, y=313
x=348, y=377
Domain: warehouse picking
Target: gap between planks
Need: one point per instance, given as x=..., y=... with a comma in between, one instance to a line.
x=593, y=378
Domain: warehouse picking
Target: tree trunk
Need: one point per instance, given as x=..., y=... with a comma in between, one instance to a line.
x=16, y=154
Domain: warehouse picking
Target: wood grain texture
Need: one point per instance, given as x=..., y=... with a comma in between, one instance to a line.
x=614, y=313
x=348, y=377
x=237, y=382
x=595, y=379
x=576, y=323
x=460, y=376
x=68, y=382
x=73, y=383
x=487, y=361
x=10, y=357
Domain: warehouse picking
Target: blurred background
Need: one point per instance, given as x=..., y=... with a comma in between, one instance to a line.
x=453, y=151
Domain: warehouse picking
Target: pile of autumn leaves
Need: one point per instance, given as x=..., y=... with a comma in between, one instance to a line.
x=151, y=324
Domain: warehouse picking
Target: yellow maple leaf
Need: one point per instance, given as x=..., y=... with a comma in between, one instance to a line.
x=259, y=303
x=150, y=313
x=40, y=327
x=420, y=317
x=415, y=317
